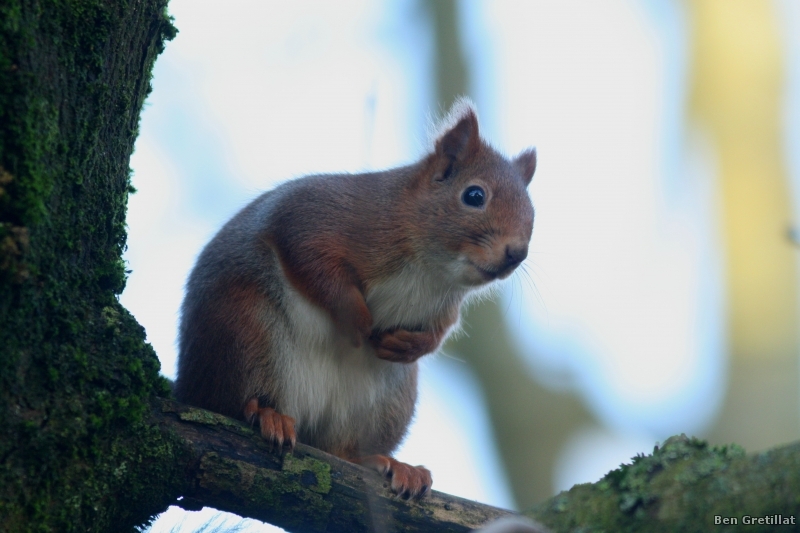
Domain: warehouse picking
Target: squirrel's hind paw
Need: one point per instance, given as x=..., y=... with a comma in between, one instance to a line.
x=277, y=429
x=407, y=481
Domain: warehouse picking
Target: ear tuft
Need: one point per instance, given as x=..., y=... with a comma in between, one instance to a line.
x=459, y=137
x=525, y=163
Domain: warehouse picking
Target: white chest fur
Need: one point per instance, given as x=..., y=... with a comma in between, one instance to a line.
x=412, y=298
x=327, y=385
x=332, y=388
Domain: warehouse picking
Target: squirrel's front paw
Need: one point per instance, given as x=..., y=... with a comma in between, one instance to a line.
x=402, y=345
x=354, y=320
x=407, y=481
x=277, y=429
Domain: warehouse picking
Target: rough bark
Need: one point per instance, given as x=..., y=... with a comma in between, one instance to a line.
x=227, y=465
x=76, y=453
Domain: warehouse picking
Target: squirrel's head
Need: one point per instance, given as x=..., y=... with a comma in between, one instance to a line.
x=474, y=215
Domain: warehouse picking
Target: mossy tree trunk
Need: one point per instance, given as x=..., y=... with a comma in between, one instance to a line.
x=76, y=375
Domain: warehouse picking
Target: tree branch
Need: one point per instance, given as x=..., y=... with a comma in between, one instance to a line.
x=683, y=486
x=229, y=466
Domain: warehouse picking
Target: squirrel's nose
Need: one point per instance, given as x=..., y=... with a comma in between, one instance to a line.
x=515, y=255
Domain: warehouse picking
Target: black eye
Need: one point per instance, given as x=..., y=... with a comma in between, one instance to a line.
x=474, y=196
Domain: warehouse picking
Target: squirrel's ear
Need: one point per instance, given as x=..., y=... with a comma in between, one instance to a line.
x=461, y=140
x=525, y=164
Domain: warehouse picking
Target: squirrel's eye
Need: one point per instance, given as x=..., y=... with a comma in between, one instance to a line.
x=474, y=196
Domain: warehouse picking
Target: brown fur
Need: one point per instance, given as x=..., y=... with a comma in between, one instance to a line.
x=307, y=312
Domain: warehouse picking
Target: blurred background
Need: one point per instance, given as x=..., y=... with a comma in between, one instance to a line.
x=660, y=295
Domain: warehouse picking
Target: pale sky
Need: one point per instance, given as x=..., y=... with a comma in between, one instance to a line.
x=624, y=301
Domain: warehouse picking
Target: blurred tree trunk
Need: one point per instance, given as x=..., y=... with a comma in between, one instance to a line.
x=737, y=97
x=531, y=423
x=450, y=68
x=75, y=373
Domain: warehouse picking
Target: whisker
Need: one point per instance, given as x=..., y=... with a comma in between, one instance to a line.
x=537, y=294
x=453, y=357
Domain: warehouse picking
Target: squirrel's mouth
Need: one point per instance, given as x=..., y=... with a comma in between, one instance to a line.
x=486, y=273
x=491, y=274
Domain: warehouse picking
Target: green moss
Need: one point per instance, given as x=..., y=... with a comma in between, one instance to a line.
x=241, y=481
x=314, y=474
x=209, y=418
x=75, y=371
x=692, y=459
x=681, y=486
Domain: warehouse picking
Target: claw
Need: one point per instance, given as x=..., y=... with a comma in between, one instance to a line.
x=407, y=481
x=277, y=429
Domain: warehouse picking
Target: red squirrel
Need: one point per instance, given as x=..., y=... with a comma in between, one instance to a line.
x=309, y=309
